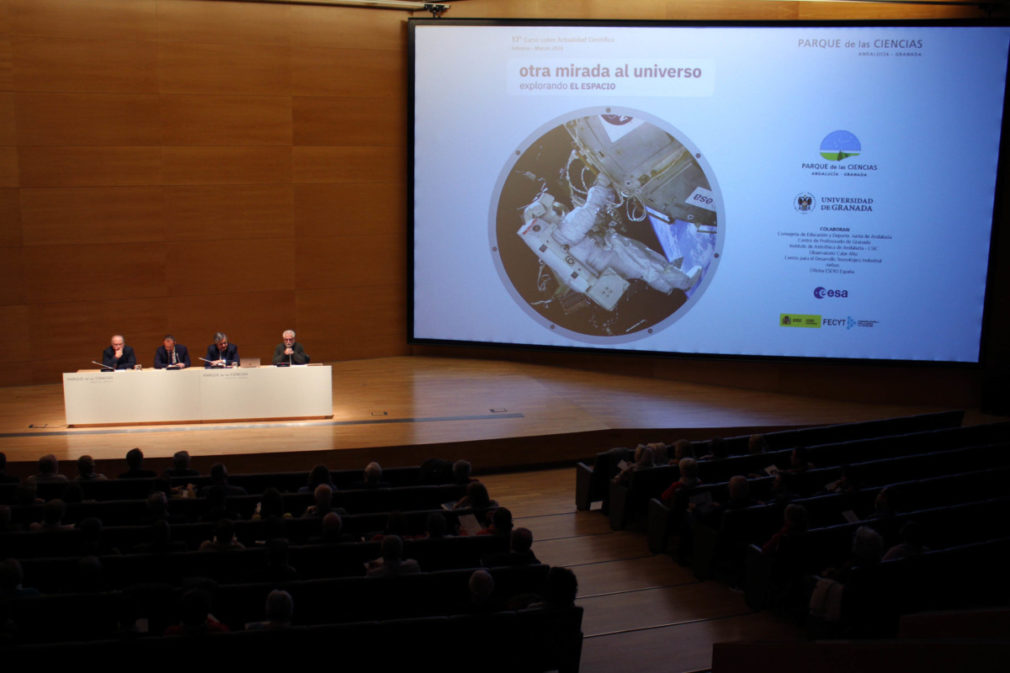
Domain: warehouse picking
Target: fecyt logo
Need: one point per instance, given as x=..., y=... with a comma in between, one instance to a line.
x=821, y=293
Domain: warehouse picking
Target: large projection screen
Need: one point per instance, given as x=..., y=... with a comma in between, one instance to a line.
x=821, y=191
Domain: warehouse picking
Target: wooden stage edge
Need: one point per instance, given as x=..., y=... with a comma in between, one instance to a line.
x=403, y=410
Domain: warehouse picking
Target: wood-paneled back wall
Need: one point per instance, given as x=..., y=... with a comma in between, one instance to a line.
x=189, y=166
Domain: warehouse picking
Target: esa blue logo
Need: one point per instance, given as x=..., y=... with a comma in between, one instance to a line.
x=821, y=293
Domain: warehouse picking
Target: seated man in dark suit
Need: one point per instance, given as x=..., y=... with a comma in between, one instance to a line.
x=171, y=355
x=221, y=353
x=118, y=355
x=290, y=352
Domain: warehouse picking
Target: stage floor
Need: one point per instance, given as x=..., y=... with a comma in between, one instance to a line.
x=401, y=410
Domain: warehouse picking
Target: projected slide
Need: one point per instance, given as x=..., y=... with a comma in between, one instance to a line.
x=797, y=191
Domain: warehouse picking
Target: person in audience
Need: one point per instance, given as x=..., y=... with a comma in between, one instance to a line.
x=270, y=506
x=7, y=524
x=795, y=520
x=280, y=609
x=4, y=477
x=11, y=580
x=219, y=479
x=49, y=472
x=561, y=589
x=461, y=471
x=118, y=355
x=756, y=444
x=91, y=575
x=392, y=563
x=501, y=523
x=197, y=620
x=520, y=552
x=784, y=489
x=171, y=355
x=135, y=465
x=911, y=543
x=688, y=468
x=289, y=351
x=477, y=499
x=322, y=502
x=180, y=466
x=52, y=517
x=332, y=531
x=224, y=538
x=86, y=470
x=435, y=526
x=645, y=457
x=221, y=353
x=371, y=478
x=481, y=589
x=320, y=474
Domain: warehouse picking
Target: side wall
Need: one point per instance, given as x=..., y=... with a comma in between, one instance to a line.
x=189, y=166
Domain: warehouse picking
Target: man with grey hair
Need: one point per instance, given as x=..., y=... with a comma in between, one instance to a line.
x=289, y=351
x=221, y=353
x=118, y=355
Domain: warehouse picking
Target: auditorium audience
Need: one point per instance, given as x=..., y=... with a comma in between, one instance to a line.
x=911, y=544
x=280, y=608
x=371, y=478
x=224, y=538
x=322, y=502
x=520, y=551
x=320, y=474
x=86, y=469
x=4, y=477
x=180, y=466
x=645, y=457
x=53, y=513
x=392, y=563
x=49, y=472
x=674, y=493
x=481, y=588
x=219, y=479
x=135, y=466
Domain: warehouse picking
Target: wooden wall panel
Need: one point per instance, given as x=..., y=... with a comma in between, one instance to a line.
x=11, y=276
x=94, y=19
x=98, y=272
x=321, y=209
x=74, y=65
x=369, y=73
x=95, y=216
x=332, y=121
x=10, y=173
x=230, y=265
x=8, y=126
x=58, y=119
x=356, y=256
x=6, y=63
x=225, y=120
x=226, y=165
x=358, y=322
x=75, y=333
x=227, y=212
x=15, y=336
x=10, y=217
x=348, y=164
x=349, y=28
x=89, y=166
x=234, y=23
x=186, y=67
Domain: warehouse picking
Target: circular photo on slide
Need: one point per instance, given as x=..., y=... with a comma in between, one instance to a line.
x=606, y=225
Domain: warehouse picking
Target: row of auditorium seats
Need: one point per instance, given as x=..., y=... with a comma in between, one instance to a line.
x=592, y=482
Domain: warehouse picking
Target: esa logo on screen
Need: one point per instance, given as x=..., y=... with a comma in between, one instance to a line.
x=821, y=293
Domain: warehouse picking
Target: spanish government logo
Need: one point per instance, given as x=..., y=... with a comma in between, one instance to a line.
x=839, y=145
